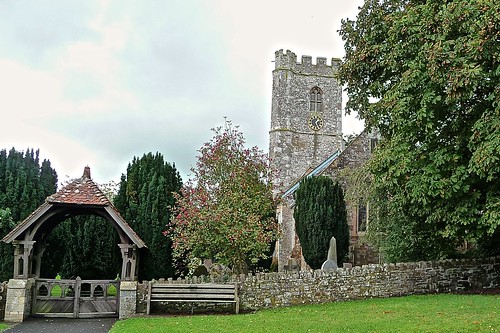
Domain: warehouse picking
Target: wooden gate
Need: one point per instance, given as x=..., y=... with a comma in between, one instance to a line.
x=76, y=298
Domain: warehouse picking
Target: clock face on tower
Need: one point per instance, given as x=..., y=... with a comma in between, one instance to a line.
x=315, y=122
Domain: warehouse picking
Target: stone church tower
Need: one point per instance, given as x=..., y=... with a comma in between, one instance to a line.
x=306, y=128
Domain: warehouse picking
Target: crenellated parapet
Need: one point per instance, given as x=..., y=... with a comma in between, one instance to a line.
x=288, y=60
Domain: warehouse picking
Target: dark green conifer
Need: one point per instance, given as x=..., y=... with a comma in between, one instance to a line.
x=319, y=214
x=24, y=184
x=144, y=199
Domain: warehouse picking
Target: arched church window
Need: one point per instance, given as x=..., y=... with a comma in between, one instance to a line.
x=316, y=98
x=362, y=216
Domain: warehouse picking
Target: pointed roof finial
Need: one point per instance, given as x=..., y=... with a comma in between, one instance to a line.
x=86, y=172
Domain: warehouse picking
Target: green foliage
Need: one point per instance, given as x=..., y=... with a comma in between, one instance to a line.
x=84, y=246
x=427, y=75
x=320, y=214
x=6, y=252
x=144, y=199
x=226, y=212
x=24, y=184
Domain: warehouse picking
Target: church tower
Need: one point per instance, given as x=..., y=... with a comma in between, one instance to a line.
x=306, y=127
x=306, y=115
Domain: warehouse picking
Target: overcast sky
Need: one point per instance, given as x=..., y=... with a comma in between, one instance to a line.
x=99, y=82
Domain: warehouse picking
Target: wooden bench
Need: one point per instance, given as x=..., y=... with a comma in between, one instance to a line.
x=193, y=293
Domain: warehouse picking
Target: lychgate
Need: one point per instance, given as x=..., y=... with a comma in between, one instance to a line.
x=29, y=294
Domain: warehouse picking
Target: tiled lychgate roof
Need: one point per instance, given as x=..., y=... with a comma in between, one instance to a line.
x=80, y=191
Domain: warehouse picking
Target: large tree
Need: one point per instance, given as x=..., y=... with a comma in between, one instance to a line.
x=226, y=211
x=427, y=74
x=320, y=214
x=6, y=251
x=144, y=199
x=24, y=184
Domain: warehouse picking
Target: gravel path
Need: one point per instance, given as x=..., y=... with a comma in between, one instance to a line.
x=63, y=325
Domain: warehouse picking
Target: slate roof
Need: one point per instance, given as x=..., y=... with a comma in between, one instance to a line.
x=312, y=172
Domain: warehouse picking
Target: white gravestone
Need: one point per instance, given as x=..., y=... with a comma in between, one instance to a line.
x=331, y=263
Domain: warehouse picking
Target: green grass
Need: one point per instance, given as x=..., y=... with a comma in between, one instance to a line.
x=111, y=290
x=56, y=291
x=428, y=313
x=3, y=327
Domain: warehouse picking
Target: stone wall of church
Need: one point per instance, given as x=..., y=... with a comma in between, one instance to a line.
x=354, y=156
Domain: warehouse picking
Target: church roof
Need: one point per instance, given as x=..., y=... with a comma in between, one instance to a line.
x=312, y=172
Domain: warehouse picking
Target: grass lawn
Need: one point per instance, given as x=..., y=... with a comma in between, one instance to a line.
x=427, y=313
x=3, y=326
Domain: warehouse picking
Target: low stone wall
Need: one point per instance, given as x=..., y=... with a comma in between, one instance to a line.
x=3, y=297
x=386, y=280
x=268, y=290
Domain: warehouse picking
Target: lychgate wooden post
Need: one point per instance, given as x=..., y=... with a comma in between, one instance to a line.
x=22, y=258
x=129, y=261
x=78, y=292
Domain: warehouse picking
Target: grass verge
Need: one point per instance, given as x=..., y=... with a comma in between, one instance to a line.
x=426, y=313
x=3, y=327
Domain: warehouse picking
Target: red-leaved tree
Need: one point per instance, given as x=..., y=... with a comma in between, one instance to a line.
x=226, y=211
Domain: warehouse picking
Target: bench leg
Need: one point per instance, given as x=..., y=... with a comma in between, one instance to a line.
x=148, y=308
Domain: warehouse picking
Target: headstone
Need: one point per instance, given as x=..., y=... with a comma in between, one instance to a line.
x=293, y=265
x=331, y=261
x=207, y=263
x=329, y=265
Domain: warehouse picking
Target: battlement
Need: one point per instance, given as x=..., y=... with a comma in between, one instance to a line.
x=288, y=60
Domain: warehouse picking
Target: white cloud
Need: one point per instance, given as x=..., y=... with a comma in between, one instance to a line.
x=97, y=82
x=28, y=94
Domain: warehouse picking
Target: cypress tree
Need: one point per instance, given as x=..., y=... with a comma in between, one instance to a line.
x=22, y=183
x=144, y=199
x=319, y=214
x=84, y=246
x=6, y=255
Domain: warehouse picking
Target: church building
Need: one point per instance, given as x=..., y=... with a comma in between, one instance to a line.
x=305, y=139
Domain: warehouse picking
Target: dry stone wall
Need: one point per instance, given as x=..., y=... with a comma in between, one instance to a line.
x=285, y=289
x=3, y=297
x=268, y=290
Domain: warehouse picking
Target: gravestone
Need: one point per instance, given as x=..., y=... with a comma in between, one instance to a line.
x=331, y=262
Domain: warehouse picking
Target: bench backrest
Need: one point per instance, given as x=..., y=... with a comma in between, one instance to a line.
x=213, y=292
